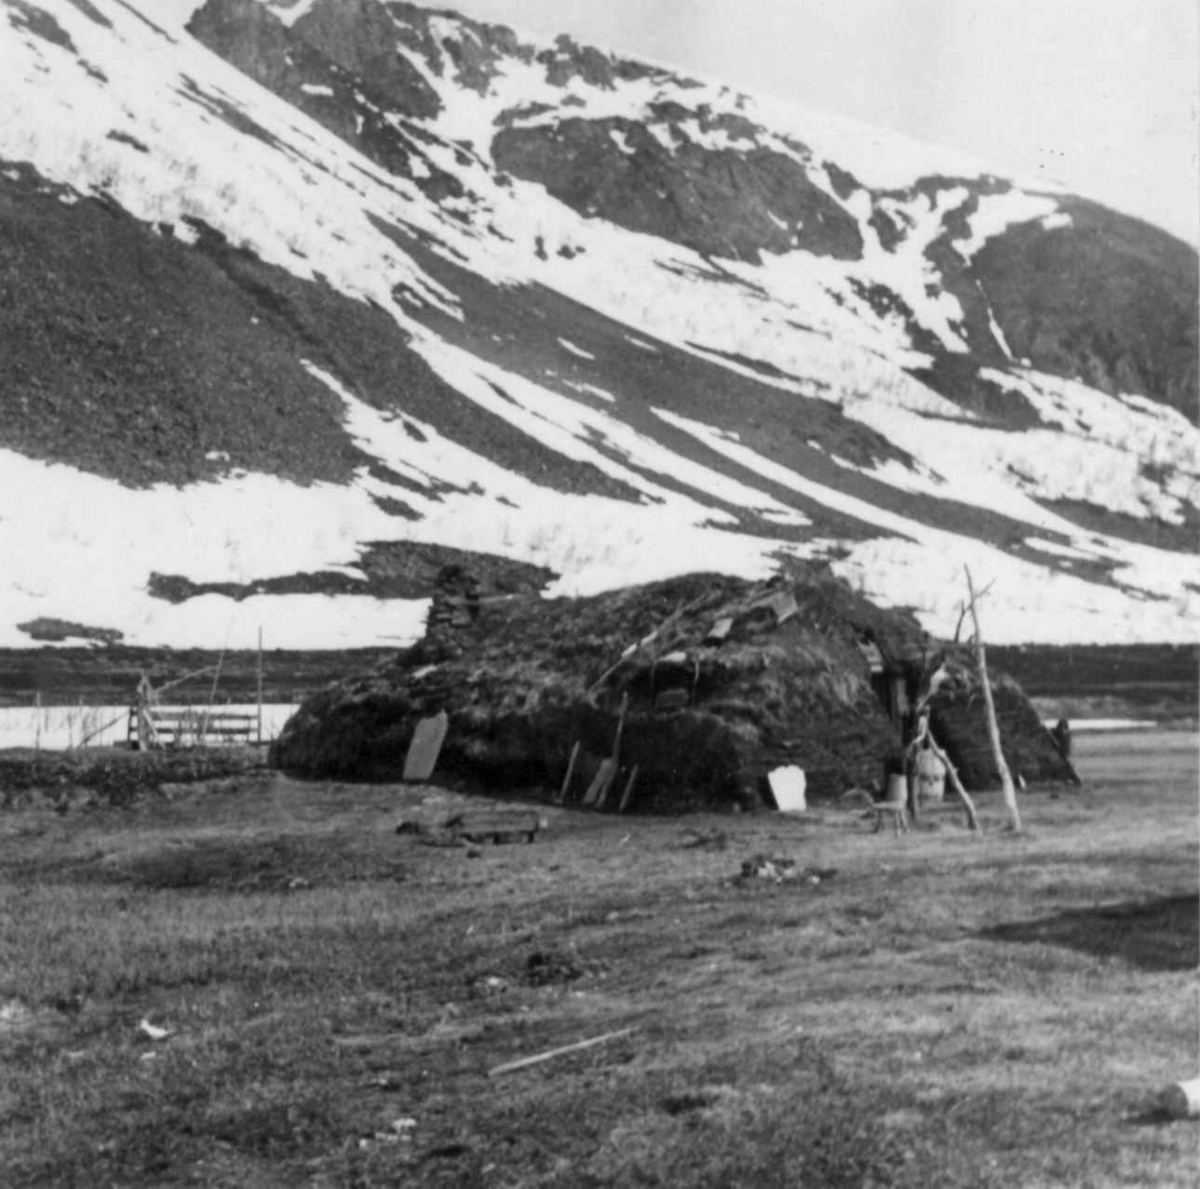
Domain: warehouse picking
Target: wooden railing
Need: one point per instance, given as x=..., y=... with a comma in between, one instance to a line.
x=191, y=726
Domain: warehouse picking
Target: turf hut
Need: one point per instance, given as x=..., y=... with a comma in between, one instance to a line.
x=708, y=682
x=721, y=680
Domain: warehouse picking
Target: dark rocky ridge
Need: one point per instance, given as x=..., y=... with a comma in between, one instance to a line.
x=1109, y=299
x=390, y=569
x=363, y=82
x=722, y=202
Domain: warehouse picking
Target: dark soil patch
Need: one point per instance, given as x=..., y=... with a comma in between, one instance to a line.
x=266, y=864
x=1155, y=935
x=1155, y=533
x=392, y=570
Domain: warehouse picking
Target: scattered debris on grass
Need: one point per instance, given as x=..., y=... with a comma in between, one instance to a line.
x=487, y=985
x=552, y=966
x=714, y=839
x=153, y=1031
x=495, y=826
x=685, y=1101
x=15, y=1017
x=773, y=869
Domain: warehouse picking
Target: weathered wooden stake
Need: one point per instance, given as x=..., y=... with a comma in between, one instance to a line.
x=616, y=752
x=628, y=790
x=566, y=784
x=260, y=683
x=1006, y=780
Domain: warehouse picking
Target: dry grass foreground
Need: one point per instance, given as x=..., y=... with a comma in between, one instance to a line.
x=941, y=1010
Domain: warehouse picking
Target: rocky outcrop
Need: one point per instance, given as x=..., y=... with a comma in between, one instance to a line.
x=371, y=110
x=1109, y=299
x=733, y=203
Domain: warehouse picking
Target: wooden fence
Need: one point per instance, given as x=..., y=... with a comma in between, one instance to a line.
x=191, y=726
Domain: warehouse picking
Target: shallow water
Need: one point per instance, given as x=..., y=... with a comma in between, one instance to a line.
x=56, y=728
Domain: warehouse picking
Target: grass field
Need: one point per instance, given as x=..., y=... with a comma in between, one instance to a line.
x=934, y=1010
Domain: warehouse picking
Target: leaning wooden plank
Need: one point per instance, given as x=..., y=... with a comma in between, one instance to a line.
x=719, y=630
x=426, y=746
x=600, y=782
x=628, y=790
x=616, y=753
x=538, y=1058
x=783, y=605
x=566, y=784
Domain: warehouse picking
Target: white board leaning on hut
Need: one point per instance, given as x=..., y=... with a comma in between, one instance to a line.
x=788, y=786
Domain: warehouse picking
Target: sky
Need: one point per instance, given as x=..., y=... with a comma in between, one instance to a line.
x=1101, y=95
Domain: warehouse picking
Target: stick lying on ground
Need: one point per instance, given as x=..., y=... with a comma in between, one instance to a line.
x=538, y=1058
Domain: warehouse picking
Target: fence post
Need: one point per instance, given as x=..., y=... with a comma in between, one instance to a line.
x=260, y=683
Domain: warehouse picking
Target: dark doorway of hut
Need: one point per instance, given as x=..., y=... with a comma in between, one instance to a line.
x=897, y=684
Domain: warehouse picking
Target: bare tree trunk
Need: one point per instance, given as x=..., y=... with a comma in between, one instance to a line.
x=1006, y=780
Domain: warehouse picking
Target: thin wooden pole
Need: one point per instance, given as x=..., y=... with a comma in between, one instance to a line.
x=538, y=1058
x=212, y=694
x=260, y=683
x=628, y=790
x=566, y=784
x=1006, y=780
x=616, y=752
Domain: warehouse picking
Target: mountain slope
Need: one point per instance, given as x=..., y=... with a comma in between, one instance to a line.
x=390, y=275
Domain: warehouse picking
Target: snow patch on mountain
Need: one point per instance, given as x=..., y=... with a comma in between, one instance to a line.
x=239, y=530
x=997, y=212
